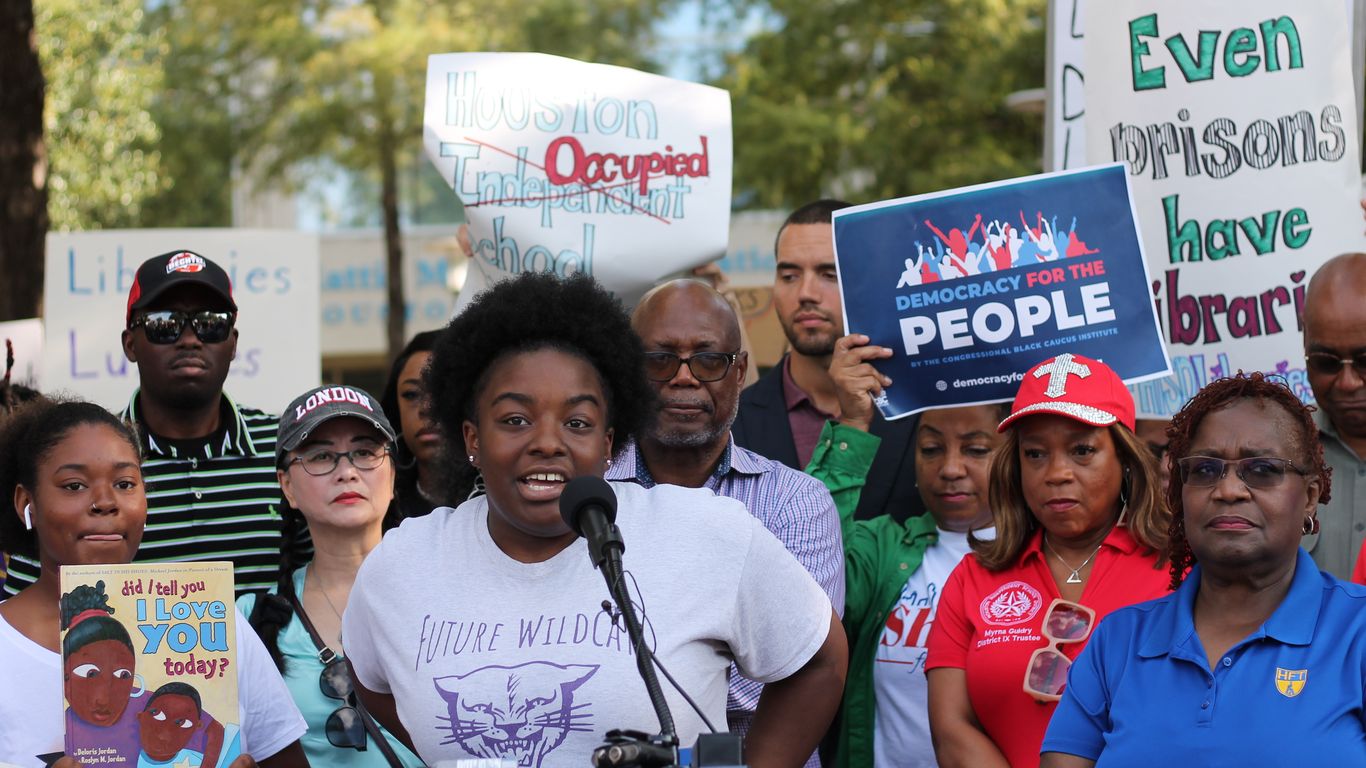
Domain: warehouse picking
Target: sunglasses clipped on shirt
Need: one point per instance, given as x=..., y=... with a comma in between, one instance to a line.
x=344, y=727
x=1259, y=472
x=165, y=326
x=1046, y=673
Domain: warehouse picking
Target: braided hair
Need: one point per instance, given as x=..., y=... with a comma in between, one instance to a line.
x=86, y=617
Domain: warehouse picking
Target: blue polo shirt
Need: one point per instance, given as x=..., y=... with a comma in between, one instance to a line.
x=1290, y=694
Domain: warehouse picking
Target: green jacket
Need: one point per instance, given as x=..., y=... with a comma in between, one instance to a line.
x=879, y=556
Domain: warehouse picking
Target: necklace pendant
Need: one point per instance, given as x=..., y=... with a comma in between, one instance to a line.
x=1075, y=578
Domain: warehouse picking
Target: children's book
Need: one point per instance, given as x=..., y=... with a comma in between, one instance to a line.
x=149, y=655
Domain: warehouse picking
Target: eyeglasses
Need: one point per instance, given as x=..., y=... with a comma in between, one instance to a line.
x=1329, y=364
x=1256, y=472
x=165, y=327
x=344, y=727
x=323, y=462
x=1065, y=622
x=705, y=366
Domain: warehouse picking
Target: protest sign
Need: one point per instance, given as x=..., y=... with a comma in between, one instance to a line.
x=26, y=341
x=972, y=287
x=355, y=292
x=274, y=276
x=1065, y=108
x=1064, y=102
x=1237, y=125
x=566, y=167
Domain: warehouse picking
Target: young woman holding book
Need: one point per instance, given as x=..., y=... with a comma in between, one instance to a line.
x=73, y=474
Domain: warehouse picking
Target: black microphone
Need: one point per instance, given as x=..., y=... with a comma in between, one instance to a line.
x=589, y=507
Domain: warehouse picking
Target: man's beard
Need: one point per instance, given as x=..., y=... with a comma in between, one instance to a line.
x=812, y=346
x=806, y=345
x=679, y=438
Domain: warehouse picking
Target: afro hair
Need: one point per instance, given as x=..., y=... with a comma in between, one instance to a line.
x=536, y=311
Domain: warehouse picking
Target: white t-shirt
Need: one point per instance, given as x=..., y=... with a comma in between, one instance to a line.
x=901, y=734
x=488, y=657
x=31, y=709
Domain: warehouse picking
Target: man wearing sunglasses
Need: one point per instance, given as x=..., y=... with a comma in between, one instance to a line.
x=1335, y=360
x=209, y=464
x=696, y=367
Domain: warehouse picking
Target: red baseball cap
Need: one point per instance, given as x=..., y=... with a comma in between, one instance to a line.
x=1076, y=387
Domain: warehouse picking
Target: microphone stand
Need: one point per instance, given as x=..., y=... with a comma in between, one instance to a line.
x=661, y=750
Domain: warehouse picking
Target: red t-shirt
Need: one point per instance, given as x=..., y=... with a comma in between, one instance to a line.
x=989, y=624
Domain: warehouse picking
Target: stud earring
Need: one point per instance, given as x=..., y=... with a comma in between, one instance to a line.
x=28, y=517
x=609, y=463
x=471, y=458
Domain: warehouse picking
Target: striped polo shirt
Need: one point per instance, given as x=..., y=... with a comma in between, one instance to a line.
x=216, y=499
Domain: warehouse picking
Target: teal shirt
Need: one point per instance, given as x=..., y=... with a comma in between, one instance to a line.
x=879, y=556
x=302, y=670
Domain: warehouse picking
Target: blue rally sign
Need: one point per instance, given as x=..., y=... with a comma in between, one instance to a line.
x=972, y=287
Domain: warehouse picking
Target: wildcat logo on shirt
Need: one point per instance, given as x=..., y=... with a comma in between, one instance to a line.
x=519, y=713
x=1291, y=681
x=1011, y=603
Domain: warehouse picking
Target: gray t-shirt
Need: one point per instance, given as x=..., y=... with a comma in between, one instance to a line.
x=488, y=657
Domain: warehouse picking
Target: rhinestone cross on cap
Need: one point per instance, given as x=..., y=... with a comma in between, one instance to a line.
x=1058, y=371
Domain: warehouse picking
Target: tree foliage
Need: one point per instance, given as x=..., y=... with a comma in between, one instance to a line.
x=872, y=99
x=103, y=71
x=341, y=83
x=326, y=79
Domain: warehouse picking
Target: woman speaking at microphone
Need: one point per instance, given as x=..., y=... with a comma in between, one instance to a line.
x=482, y=632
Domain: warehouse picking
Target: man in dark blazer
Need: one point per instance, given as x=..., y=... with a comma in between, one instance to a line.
x=781, y=415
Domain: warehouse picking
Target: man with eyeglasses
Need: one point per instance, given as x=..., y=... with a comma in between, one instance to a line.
x=1335, y=359
x=208, y=463
x=697, y=369
x=782, y=415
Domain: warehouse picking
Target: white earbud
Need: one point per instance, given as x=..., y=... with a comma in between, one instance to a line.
x=28, y=517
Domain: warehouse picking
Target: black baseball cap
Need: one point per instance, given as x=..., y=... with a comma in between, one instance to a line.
x=162, y=273
x=322, y=404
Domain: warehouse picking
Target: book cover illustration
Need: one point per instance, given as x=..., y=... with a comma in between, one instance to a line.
x=149, y=665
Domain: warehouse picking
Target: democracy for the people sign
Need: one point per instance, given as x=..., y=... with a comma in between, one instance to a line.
x=972, y=287
x=1236, y=123
x=565, y=166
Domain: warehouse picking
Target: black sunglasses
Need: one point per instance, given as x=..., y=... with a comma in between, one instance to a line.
x=705, y=366
x=344, y=727
x=1329, y=364
x=165, y=327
